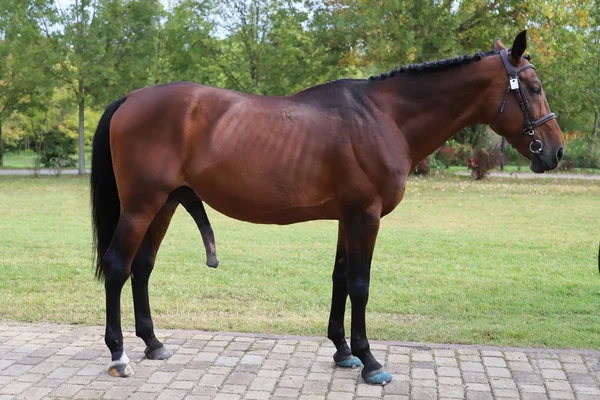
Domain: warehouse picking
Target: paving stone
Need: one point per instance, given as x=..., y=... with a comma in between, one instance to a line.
x=420, y=373
x=479, y=395
x=534, y=396
x=315, y=387
x=15, y=388
x=471, y=366
x=494, y=362
x=365, y=390
x=423, y=394
x=35, y=393
x=478, y=387
x=340, y=396
x=562, y=395
x=451, y=391
x=498, y=372
x=171, y=394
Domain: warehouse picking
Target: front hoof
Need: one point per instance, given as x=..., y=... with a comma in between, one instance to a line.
x=157, y=354
x=120, y=368
x=377, y=377
x=347, y=362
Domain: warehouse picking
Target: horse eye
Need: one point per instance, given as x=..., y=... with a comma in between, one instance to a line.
x=536, y=90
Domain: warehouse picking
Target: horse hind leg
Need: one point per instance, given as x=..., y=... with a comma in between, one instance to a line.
x=141, y=268
x=116, y=263
x=194, y=206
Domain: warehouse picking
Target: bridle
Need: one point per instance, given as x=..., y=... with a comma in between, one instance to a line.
x=514, y=85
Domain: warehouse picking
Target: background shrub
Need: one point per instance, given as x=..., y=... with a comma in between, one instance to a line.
x=483, y=162
x=57, y=150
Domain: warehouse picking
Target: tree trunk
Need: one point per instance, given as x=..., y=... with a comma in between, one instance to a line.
x=1, y=147
x=594, y=131
x=81, y=137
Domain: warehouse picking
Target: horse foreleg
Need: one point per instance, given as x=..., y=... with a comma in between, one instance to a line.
x=116, y=263
x=194, y=206
x=361, y=233
x=141, y=268
x=343, y=356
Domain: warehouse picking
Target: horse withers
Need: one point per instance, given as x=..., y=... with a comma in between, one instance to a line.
x=339, y=151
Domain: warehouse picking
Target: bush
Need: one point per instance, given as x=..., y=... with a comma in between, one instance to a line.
x=422, y=167
x=428, y=165
x=462, y=154
x=483, y=162
x=579, y=153
x=57, y=150
x=566, y=165
x=446, y=155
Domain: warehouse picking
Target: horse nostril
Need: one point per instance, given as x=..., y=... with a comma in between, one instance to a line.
x=559, y=154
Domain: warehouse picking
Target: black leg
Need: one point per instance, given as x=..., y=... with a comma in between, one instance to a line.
x=141, y=268
x=335, y=332
x=361, y=233
x=117, y=267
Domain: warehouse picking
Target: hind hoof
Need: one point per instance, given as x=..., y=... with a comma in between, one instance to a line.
x=157, y=354
x=120, y=368
x=349, y=362
x=378, y=377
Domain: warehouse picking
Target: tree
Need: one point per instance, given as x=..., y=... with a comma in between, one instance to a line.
x=188, y=49
x=22, y=79
x=100, y=49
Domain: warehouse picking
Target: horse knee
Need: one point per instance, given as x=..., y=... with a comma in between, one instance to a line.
x=358, y=291
x=142, y=266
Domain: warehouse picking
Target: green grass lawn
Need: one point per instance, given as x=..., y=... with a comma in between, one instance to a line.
x=508, y=262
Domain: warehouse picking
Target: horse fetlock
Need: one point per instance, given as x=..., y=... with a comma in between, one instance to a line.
x=120, y=367
x=160, y=353
x=343, y=358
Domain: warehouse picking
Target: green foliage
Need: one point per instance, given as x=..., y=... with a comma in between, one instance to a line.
x=57, y=150
x=482, y=162
x=93, y=51
x=579, y=154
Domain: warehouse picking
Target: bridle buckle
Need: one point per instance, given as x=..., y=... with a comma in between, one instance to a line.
x=528, y=131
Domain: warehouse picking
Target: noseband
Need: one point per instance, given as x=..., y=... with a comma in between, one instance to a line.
x=536, y=146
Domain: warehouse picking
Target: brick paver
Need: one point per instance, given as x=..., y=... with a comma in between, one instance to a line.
x=50, y=361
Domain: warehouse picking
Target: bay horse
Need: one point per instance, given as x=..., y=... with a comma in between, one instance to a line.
x=338, y=151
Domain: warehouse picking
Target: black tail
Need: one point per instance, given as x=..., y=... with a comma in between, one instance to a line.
x=105, y=198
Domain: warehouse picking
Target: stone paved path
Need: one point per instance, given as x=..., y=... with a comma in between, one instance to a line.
x=63, y=361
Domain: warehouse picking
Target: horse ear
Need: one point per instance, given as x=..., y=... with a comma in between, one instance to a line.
x=498, y=45
x=519, y=46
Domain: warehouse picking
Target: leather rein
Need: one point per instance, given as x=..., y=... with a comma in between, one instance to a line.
x=514, y=85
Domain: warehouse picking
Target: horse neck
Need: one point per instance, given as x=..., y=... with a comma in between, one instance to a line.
x=429, y=108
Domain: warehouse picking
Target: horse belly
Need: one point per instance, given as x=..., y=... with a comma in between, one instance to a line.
x=254, y=195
